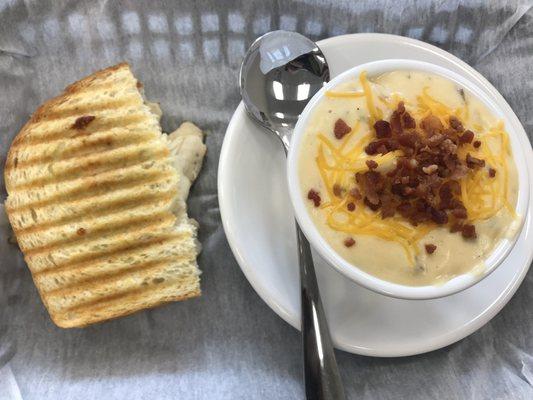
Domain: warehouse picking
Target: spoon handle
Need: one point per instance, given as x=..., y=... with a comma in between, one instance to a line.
x=322, y=379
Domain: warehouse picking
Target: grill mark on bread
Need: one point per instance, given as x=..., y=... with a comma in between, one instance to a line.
x=79, y=253
x=119, y=73
x=162, y=218
x=73, y=112
x=105, y=247
x=83, y=146
x=161, y=239
x=125, y=205
x=91, y=294
x=102, y=86
x=95, y=166
x=80, y=208
x=96, y=282
x=113, y=306
x=119, y=179
x=74, y=232
x=100, y=125
x=105, y=300
x=104, y=148
x=66, y=276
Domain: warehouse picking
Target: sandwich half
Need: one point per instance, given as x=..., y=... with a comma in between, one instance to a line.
x=97, y=201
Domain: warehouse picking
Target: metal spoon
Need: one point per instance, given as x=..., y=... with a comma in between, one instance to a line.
x=279, y=74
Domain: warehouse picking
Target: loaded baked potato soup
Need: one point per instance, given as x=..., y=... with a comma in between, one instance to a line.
x=408, y=177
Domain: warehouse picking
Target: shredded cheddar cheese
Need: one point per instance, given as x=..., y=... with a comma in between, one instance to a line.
x=482, y=195
x=375, y=113
x=338, y=161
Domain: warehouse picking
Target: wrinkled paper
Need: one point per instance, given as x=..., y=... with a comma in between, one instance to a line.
x=228, y=344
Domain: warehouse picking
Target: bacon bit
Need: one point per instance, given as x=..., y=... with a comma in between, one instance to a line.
x=435, y=140
x=383, y=129
x=350, y=206
x=492, y=172
x=473, y=162
x=371, y=164
x=381, y=146
x=81, y=231
x=396, y=122
x=341, y=129
x=314, y=197
x=349, y=242
x=408, y=121
x=438, y=216
x=468, y=231
x=372, y=183
x=400, y=108
x=139, y=85
x=382, y=149
x=430, y=248
x=460, y=213
x=446, y=194
x=337, y=190
x=448, y=147
x=408, y=139
x=16, y=162
x=372, y=206
x=455, y=124
x=477, y=144
x=466, y=137
x=407, y=191
x=388, y=207
x=82, y=122
x=423, y=186
x=372, y=148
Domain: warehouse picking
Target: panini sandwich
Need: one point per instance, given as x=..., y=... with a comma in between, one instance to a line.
x=97, y=200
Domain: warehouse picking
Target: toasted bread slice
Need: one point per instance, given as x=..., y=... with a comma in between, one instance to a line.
x=96, y=198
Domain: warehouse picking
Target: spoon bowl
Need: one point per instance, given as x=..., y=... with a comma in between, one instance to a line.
x=280, y=73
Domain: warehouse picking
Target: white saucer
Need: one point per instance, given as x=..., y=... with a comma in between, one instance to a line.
x=259, y=224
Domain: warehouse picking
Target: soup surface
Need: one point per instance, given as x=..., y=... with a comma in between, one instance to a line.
x=335, y=148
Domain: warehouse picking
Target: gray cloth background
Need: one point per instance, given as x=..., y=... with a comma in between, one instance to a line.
x=228, y=344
